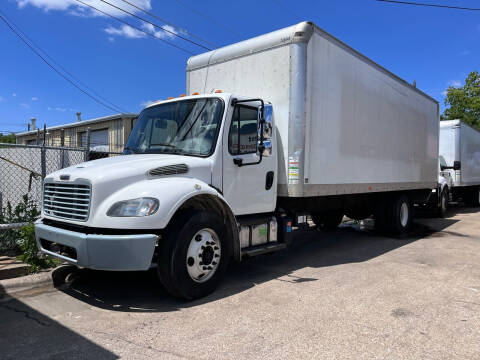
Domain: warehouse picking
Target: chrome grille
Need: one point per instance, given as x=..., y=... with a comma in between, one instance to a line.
x=67, y=201
x=169, y=170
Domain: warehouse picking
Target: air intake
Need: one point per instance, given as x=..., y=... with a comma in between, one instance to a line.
x=169, y=170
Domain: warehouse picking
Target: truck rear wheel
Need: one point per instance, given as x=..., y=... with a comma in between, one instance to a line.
x=394, y=214
x=402, y=214
x=193, y=255
x=328, y=221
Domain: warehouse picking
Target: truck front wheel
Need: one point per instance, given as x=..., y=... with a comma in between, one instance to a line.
x=443, y=204
x=193, y=255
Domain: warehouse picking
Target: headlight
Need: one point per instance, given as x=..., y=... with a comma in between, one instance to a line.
x=134, y=207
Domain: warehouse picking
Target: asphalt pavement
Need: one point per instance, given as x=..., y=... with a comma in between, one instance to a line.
x=349, y=294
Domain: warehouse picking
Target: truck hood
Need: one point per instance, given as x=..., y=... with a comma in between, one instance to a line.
x=112, y=179
x=122, y=170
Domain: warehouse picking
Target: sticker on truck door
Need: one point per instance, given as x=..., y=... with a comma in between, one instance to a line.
x=293, y=169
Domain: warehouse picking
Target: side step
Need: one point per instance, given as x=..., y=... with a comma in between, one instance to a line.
x=263, y=249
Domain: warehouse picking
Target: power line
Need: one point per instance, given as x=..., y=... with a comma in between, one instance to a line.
x=207, y=17
x=54, y=68
x=168, y=23
x=136, y=27
x=119, y=109
x=155, y=25
x=429, y=5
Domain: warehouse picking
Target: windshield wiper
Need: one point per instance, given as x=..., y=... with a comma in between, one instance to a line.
x=194, y=121
x=169, y=145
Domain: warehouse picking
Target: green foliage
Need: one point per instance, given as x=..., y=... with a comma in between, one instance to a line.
x=25, y=211
x=30, y=252
x=9, y=138
x=464, y=102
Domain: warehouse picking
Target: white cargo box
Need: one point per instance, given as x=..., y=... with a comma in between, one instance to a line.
x=345, y=124
x=460, y=142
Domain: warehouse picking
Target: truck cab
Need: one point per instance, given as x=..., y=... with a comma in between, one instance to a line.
x=192, y=168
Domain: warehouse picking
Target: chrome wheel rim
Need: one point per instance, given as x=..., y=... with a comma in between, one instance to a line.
x=404, y=214
x=203, y=255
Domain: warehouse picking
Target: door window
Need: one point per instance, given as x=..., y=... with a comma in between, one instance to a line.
x=243, y=135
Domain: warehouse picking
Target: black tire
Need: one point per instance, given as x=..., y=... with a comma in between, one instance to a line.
x=388, y=214
x=443, y=204
x=399, y=223
x=328, y=221
x=173, y=248
x=472, y=197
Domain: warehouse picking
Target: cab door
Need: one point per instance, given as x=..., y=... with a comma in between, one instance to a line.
x=249, y=186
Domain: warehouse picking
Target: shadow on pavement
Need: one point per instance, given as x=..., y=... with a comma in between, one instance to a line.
x=27, y=334
x=142, y=292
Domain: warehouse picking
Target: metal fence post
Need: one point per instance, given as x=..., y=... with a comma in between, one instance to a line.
x=38, y=136
x=62, y=152
x=87, y=145
x=43, y=154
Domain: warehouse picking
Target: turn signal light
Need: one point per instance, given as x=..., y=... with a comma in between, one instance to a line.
x=218, y=91
x=182, y=95
x=170, y=98
x=195, y=93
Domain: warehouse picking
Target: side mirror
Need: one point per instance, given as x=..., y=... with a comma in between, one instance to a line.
x=457, y=165
x=267, y=130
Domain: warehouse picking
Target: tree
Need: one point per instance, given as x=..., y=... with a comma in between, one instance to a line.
x=464, y=102
x=10, y=138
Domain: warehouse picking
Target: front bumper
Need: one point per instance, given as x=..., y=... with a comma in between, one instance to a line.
x=100, y=252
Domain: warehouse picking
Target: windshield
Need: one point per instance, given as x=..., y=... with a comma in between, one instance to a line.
x=187, y=127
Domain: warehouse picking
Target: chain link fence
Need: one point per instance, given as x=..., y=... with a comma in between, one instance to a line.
x=22, y=170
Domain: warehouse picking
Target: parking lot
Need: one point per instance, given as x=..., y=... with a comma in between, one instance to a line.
x=346, y=294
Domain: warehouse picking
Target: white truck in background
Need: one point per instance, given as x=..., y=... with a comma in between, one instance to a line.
x=459, y=157
x=303, y=125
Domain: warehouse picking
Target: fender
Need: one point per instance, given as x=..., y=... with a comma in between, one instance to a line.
x=172, y=192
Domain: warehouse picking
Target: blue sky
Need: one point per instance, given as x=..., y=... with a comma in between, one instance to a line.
x=436, y=47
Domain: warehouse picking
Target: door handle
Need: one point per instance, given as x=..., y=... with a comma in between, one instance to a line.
x=269, y=180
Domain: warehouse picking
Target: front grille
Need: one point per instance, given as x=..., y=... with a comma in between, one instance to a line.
x=169, y=170
x=67, y=201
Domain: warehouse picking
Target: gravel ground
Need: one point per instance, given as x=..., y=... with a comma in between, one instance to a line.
x=349, y=294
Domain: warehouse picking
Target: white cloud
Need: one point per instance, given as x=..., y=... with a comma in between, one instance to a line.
x=14, y=94
x=126, y=31
x=34, y=98
x=75, y=8
x=131, y=33
x=160, y=33
x=111, y=39
x=25, y=105
x=444, y=93
x=455, y=83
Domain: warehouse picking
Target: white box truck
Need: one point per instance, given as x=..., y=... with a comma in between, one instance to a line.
x=283, y=125
x=459, y=156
